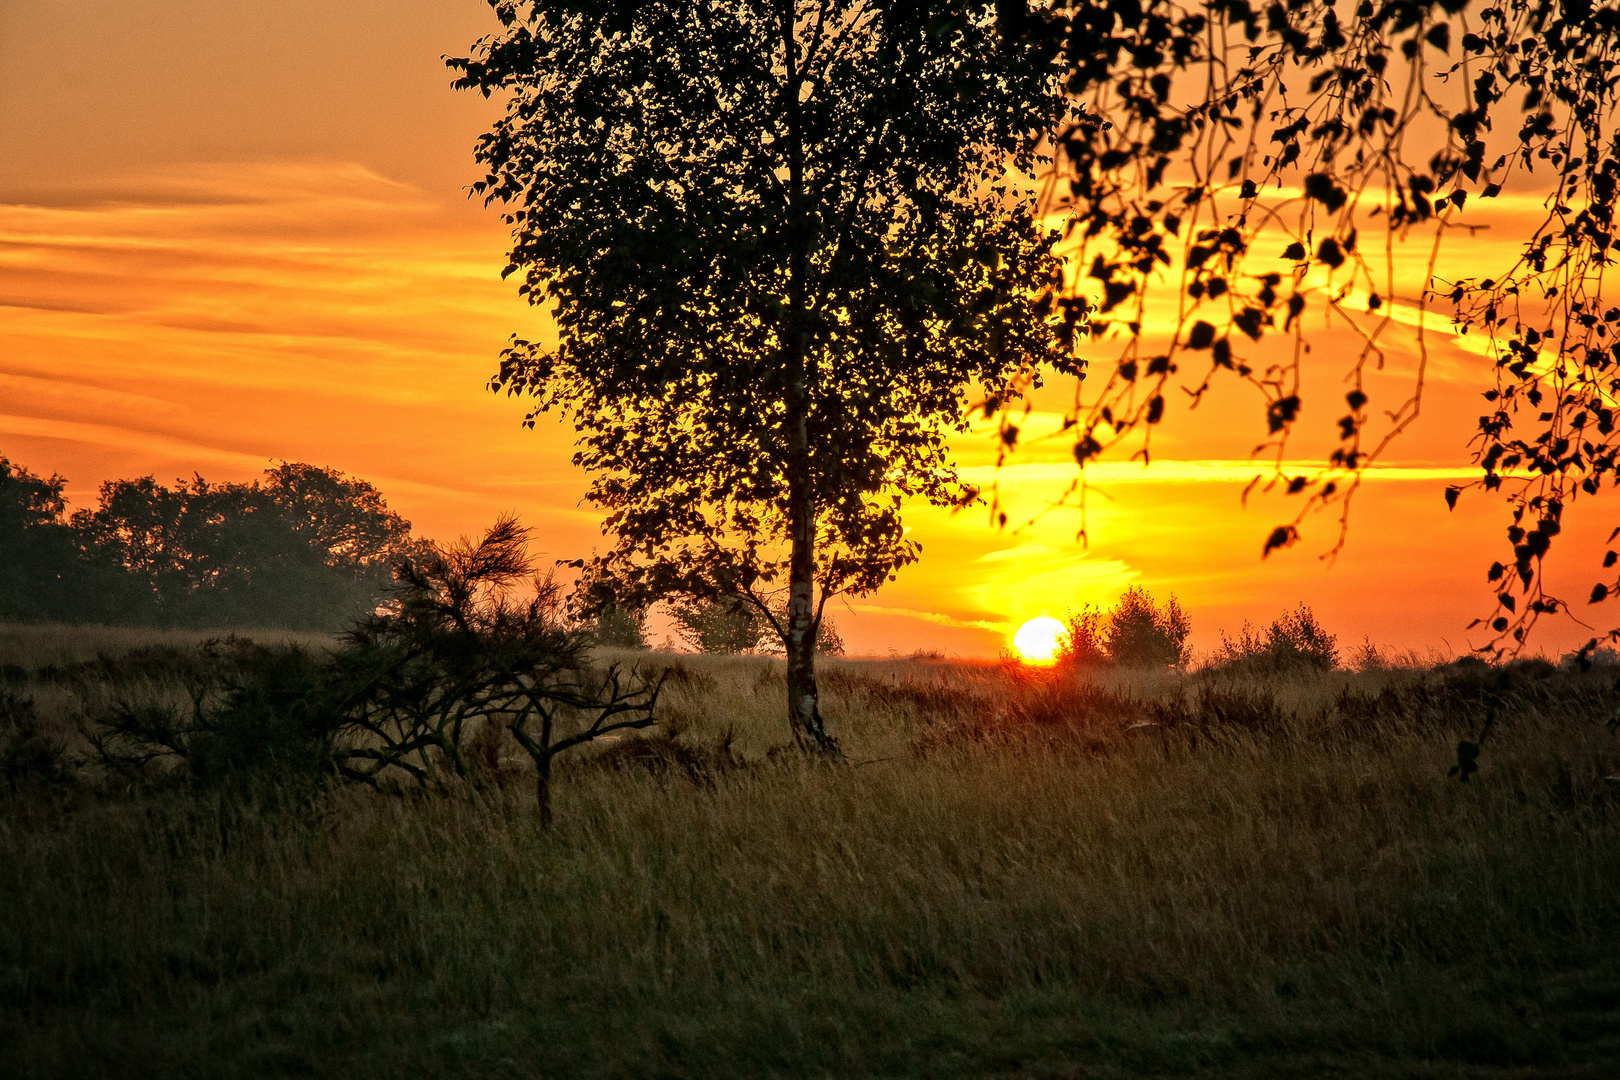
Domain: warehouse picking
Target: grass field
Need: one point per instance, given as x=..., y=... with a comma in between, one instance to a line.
x=1014, y=874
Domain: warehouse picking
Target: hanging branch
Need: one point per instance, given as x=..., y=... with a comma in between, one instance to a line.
x=1240, y=153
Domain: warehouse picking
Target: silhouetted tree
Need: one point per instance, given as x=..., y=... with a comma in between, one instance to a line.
x=780, y=241
x=1084, y=641
x=39, y=566
x=471, y=654
x=475, y=643
x=306, y=548
x=1141, y=633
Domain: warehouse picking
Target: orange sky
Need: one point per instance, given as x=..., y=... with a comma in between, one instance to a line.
x=233, y=233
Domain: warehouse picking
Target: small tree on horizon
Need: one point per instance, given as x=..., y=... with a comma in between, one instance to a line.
x=1294, y=640
x=720, y=626
x=1142, y=634
x=781, y=241
x=1083, y=643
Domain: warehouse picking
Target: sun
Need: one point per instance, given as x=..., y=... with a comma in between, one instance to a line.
x=1037, y=640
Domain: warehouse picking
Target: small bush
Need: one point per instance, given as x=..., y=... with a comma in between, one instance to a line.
x=620, y=627
x=1294, y=641
x=731, y=625
x=29, y=755
x=250, y=711
x=1143, y=635
x=598, y=608
x=829, y=642
x=1083, y=643
x=1370, y=657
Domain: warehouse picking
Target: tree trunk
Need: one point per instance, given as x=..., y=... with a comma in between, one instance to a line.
x=808, y=729
x=542, y=785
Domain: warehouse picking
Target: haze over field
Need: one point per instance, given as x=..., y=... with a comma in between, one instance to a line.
x=232, y=234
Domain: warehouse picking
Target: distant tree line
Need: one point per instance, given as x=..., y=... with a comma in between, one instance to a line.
x=302, y=548
x=1140, y=633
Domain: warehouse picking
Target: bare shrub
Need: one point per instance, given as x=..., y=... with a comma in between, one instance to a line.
x=475, y=640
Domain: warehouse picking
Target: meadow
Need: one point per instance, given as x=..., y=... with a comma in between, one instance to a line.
x=1015, y=872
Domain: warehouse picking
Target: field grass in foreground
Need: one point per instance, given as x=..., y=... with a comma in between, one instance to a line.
x=1012, y=876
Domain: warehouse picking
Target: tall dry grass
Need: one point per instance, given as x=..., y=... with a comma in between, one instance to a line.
x=30, y=646
x=1036, y=876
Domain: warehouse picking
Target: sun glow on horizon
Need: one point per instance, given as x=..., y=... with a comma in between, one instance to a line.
x=1037, y=641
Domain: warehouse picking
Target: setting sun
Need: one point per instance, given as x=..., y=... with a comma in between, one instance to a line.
x=1038, y=639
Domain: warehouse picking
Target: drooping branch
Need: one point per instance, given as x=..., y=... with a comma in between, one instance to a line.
x=1237, y=157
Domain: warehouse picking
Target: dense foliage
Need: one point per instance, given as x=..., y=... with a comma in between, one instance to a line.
x=304, y=548
x=1136, y=633
x=1293, y=641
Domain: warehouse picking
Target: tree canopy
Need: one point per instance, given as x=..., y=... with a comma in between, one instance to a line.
x=37, y=572
x=306, y=548
x=783, y=244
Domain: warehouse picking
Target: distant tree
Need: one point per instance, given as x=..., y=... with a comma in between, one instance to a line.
x=1084, y=641
x=829, y=642
x=1293, y=641
x=724, y=626
x=727, y=626
x=1142, y=634
x=597, y=607
x=620, y=627
x=39, y=569
x=781, y=240
x=343, y=520
x=307, y=548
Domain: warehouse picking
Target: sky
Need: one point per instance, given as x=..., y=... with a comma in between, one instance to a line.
x=237, y=233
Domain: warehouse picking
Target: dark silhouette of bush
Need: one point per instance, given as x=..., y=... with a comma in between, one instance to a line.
x=1293, y=641
x=473, y=653
x=1084, y=641
x=475, y=647
x=1142, y=634
x=251, y=712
